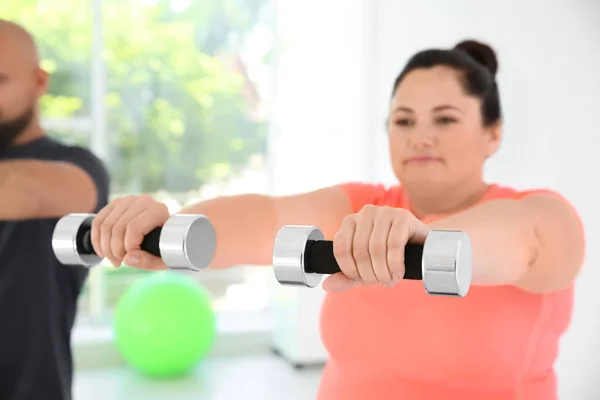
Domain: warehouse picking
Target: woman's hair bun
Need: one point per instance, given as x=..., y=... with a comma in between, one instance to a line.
x=481, y=52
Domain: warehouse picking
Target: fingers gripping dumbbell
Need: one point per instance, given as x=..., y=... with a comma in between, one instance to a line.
x=301, y=257
x=185, y=241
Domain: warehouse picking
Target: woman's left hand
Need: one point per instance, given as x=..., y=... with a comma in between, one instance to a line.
x=369, y=247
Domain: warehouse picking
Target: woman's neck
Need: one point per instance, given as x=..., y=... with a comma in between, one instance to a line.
x=446, y=201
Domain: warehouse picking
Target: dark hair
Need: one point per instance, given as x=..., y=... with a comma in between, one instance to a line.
x=478, y=64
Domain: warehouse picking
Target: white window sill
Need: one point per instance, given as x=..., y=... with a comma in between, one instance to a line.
x=237, y=333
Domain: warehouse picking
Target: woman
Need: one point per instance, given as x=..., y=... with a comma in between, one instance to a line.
x=387, y=338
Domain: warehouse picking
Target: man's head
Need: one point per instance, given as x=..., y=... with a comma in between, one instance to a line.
x=22, y=82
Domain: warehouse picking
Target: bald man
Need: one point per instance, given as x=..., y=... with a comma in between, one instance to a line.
x=41, y=180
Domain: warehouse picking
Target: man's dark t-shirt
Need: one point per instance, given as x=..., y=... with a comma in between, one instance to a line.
x=38, y=295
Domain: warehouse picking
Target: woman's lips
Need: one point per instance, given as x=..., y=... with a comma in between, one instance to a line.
x=421, y=159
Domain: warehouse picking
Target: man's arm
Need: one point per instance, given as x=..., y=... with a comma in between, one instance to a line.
x=32, y=189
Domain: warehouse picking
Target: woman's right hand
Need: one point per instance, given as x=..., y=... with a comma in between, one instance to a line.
x=119, y=229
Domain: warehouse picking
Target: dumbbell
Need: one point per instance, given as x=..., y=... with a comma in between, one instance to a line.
x=301, y=257
x=185, y=241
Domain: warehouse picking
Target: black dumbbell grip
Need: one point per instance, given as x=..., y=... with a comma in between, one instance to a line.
x=150, y=243
x=319, y=259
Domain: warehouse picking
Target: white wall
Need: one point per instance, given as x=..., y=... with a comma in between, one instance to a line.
x=322, y=95
x=549, y=77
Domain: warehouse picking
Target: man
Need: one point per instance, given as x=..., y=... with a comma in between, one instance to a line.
x=41, y=180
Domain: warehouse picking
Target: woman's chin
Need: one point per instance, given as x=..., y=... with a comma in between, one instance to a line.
x=422, y=184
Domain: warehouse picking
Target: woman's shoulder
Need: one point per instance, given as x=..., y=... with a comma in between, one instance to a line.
x=504, y=191
x=499, y=192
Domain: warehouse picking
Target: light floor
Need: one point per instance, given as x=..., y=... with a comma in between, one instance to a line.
x=248, y=378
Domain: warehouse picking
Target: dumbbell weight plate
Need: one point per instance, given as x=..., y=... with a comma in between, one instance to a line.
x=67, y=240
x=188, y=241
x=288, y=255
x=447, y=263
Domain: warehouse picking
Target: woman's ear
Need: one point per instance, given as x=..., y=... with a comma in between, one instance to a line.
x=493, y=137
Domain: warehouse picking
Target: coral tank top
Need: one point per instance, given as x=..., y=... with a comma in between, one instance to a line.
x=497, y=343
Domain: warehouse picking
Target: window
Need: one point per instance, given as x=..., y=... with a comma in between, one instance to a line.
x=173, y=96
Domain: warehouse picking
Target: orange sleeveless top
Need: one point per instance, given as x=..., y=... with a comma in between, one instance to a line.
x=497, y=343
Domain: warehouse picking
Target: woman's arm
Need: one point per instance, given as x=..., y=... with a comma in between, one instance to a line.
x=535, y=243
x=246, y=225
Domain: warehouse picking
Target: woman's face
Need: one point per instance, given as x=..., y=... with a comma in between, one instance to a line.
x=436, y=133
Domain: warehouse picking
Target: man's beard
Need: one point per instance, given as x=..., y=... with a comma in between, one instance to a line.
x=10, y=130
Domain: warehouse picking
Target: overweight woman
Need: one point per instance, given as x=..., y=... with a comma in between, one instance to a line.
x=387, y=338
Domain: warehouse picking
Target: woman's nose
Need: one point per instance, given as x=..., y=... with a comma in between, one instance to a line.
x=422, y=138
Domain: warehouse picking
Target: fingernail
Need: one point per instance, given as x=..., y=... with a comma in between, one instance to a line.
x=132, y=261
x=389, y=285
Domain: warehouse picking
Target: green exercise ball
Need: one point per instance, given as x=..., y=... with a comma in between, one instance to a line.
x=164, y=324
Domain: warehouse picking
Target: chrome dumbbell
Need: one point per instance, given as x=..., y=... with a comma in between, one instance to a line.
x=301, y=257
x=185, y=241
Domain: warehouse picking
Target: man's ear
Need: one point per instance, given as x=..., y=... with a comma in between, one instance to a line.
x=42, y=78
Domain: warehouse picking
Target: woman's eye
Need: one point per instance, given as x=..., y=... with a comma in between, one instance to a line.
x=404, y=122
x=445, y=120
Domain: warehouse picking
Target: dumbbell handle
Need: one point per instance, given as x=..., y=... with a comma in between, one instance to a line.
x=319, y=259
x=150, y=243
